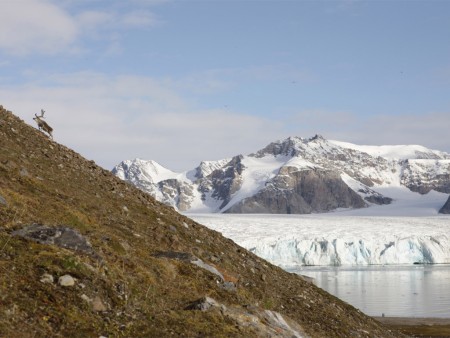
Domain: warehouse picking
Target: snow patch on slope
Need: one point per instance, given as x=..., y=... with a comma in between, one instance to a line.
x=257, y=172
x=206, y=205
x=393, y=152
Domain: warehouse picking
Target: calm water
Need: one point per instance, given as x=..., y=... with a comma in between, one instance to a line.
x=396, y=291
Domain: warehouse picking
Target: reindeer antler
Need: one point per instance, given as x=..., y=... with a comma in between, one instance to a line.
x=42, y=113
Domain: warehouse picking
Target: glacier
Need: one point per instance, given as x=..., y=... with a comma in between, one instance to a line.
x=291, y=241
x=289, y=253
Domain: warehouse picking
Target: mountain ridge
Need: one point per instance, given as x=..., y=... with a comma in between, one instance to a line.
x=269, y=180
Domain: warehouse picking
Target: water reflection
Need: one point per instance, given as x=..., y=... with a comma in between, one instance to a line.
x=406, y=291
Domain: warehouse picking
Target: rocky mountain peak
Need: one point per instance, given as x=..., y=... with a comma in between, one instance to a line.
x=143, y=170
x=259, y=181
x=286, y=147
x=207, y=167
x=317, y=137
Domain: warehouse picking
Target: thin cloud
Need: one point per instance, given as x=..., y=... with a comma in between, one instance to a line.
x=92, y=20
x=48, y=27
x=35, y=26
x=110, y=119
x=226, y=79
x=113, y=118
x=140, y=19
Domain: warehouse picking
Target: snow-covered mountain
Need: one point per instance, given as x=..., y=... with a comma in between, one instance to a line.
x=296, y=175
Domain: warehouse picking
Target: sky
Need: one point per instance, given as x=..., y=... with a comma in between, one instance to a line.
x=183, y=81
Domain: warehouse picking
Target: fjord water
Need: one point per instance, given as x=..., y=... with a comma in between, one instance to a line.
x=395, y=291
x=343, y=246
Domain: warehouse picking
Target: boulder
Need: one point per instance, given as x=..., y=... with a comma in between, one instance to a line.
x=265, y=323
x=203, y=304
x=60, y=236
x=181, y=256
x=98, y=305
x=46, y=278
x=66, y=280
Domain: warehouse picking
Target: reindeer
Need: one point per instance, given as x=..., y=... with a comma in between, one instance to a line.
x=42, y=124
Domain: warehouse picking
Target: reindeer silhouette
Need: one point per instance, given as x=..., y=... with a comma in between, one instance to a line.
x=42, y=124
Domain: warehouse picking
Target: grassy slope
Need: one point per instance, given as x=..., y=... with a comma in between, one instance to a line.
x=45, y=182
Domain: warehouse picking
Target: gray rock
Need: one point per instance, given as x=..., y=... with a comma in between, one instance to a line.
x=229, y=286
x=24, y=172
x=446, y=208
x=207, y=267
x=60, y=236
x=181, y=256
x=264, y=323
x=276, y=321
x=203, y=304
x=175, y=193
x=301, y=192
x=187, y=257
x=66, y=280
x=378, y=199
x=46, y=278
x=426, y=175
x=3, y=201
x=226, y=180
x=98, y=305
x=86, y=298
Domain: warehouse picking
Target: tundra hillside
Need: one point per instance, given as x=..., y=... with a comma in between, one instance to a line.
x=83, y=253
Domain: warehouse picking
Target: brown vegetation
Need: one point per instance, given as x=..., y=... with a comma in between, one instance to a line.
x=125, y=289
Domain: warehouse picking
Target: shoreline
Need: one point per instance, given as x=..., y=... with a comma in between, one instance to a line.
x=412, y=320
x=418, y=326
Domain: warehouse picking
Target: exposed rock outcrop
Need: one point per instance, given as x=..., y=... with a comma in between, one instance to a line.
x=300, y=192
x=266, y=323
x=278, y=179
x=178, y=192
x=424, y=175
x=446, y=207
x=226, y=181
x=61, y=236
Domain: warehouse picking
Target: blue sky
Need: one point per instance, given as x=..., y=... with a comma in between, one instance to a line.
x=184, y=81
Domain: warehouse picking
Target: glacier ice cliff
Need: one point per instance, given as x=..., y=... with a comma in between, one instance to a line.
x=290, y=241
x=338, y=251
